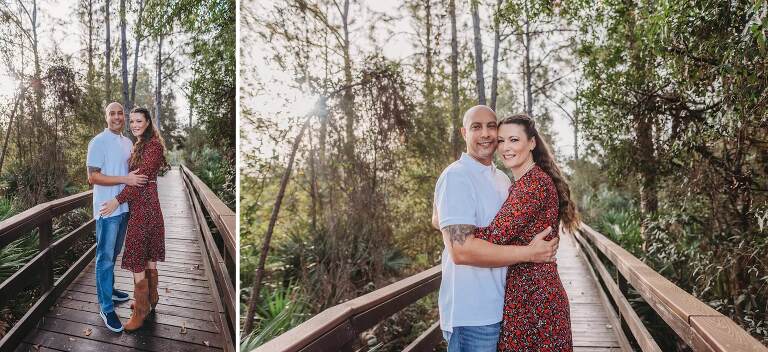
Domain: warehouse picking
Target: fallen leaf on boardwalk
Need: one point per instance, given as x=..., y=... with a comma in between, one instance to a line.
x=36, y=347
x=71, y=339
x=167, y=290
x=183, y=327
x=207, y=343
x=608, y=326
x=197, y=266
x=87, y=332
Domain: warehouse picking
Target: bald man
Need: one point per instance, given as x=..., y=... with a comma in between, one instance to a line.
x=107, y=163
x=468, y=195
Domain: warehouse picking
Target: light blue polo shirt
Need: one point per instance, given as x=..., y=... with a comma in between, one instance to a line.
x=469, y=192
x=109, y=152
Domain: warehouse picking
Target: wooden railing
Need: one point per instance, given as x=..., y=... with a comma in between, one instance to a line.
x=219, y=247
x=338, y=328
x=39, y=271
x=701, y=327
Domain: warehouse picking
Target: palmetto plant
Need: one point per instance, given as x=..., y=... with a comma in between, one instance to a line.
x=15, y=254
x=280, y=309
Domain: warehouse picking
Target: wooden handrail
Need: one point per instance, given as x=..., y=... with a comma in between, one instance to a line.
x=219, y=261
x=220, y=213
x=20, y=224
x=39, y=270
x=337, y=328
x=699, y=325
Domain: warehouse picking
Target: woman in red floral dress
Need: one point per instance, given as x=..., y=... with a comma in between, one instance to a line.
x=536, y=314
x=145, y=237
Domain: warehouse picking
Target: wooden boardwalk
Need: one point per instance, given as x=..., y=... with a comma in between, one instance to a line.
x=592, y=329
x=186, y=317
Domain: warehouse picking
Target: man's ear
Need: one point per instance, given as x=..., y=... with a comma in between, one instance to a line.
x=464, y=133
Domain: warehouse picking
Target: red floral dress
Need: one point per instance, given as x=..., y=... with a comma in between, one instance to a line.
x=536, y=313
x=145, y=237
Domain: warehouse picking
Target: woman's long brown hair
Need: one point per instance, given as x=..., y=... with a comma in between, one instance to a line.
x=542, y=156
x=149, y=133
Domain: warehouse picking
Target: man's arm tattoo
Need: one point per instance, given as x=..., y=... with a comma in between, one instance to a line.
x=459, y=233
x=93, y=169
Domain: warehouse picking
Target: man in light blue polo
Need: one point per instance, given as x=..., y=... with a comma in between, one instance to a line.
x=468, y=195
x=107, y=163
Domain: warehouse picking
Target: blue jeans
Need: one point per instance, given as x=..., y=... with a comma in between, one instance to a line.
x=483, y=338
x=110, y=234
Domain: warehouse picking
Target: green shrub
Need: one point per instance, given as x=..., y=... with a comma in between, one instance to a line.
x=213, y=168
x=280, y=309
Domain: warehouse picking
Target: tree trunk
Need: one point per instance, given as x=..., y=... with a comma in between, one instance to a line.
x=479, y=78
x=576, y=134
x=188, y=94
x=527, y=64
x=644, y=138
x=91, y=74
x=456, y=122
x=649, y=202
x=159, y=83
x=40, y=135
x=38, y=75
x=136, y=48
x=428, y=85
x=124, y=61
x=16, y=103
x=253, y=300
x=313, y=181
x=496, y=44
x=348, y=98
x=108, y=55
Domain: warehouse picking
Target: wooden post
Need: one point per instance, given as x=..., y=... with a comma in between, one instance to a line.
x=624, y=289
x=45, y=235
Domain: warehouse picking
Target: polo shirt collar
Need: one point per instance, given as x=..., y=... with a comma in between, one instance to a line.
x=475, y=165
x=108, y=131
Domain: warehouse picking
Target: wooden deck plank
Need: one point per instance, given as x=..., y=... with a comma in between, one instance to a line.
x=164, y=303
x=102, y=334
x=124, y=312
x=154, y=329
x=177, y=290
x=163, y=279
x=591, y=328
x=188, y=274
x=185, y=318
x=78, y=300
x=193, y=296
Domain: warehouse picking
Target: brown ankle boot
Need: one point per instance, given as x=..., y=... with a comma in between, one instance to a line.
x=140, y=306
x=153, y=296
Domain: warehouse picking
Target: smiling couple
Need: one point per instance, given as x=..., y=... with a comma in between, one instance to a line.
x=124, y=177
x=500, y=287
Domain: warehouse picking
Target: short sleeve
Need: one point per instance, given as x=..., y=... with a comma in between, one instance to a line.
x=455, y=200
x=95, y=156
